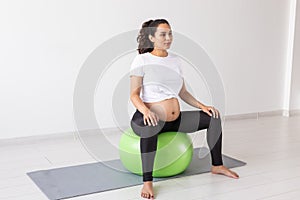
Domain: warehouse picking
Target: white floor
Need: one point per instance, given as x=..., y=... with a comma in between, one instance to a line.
x=269, y=145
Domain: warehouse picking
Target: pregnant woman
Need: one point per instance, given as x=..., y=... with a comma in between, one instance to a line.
x=156, y=83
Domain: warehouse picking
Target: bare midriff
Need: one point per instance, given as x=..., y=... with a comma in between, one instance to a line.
x=167, y=110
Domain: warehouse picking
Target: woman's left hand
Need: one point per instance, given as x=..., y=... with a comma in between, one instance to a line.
x=211, y=111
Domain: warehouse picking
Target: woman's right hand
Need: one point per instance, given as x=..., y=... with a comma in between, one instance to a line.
x=150, y=118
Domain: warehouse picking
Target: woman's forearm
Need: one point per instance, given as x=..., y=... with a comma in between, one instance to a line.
x=138, y=103
x=189, y=99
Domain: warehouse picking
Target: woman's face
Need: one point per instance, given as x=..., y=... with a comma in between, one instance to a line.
x=163, y=37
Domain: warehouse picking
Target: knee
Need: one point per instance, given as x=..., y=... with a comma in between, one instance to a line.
x=216, y=119
x=215, y=122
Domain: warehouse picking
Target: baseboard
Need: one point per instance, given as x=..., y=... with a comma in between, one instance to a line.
x=36, y=138
x=295, y=112
x=257, y=115
x=59, y=136
x=291, y=113
x=241, y=116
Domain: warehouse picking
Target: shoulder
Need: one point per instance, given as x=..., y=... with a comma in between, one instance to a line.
x=143, y=55
x=138, y=62
x=175, y=57
x=172, y=55
x=140, y=58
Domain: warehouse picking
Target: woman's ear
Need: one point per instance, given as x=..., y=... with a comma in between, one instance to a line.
x=151, y=38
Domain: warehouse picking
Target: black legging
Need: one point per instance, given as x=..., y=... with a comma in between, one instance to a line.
x=187, y=122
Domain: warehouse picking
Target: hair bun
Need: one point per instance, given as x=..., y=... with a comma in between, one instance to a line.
x=147, y=23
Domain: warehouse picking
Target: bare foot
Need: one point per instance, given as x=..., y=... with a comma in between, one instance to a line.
x=224, y=170
x=147, y=190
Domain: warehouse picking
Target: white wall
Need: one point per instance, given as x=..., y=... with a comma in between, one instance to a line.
x=44, y=43
x=295, y=84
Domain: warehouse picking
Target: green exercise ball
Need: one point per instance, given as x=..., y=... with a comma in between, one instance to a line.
x=173, y=155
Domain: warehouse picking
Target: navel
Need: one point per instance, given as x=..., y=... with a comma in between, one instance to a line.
x=173, y=113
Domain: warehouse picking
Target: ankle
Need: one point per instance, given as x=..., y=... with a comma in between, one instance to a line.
x=148, y=182
x=217, y=166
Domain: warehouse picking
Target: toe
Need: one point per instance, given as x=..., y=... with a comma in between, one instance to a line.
x=144, y=195
x=233, y=174
x=236, y=175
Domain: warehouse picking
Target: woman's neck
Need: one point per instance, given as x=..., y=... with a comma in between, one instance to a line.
x=160, y=53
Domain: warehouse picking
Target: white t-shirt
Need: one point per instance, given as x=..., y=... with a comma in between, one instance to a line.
x=162, y=76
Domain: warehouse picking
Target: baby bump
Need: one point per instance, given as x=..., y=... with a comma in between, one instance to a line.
x=167, y=110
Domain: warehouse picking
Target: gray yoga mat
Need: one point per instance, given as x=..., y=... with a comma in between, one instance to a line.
x=67, y=182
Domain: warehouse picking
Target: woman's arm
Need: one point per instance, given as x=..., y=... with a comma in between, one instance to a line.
x=189, y=99
x=135, y=88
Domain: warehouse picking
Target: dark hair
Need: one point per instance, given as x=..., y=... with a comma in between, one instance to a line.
x=148, y=28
